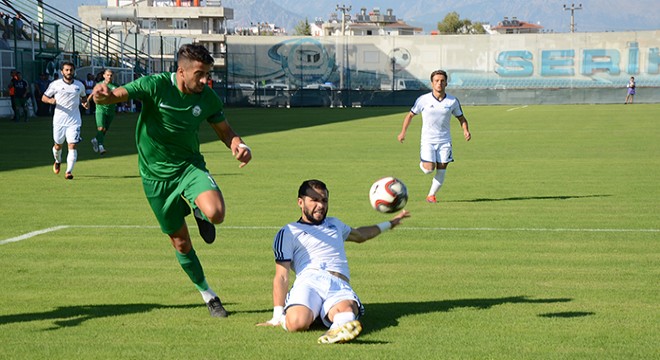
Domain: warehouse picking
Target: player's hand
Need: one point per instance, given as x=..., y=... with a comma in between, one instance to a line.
x=85, y=104
x=272, y=322
x=401, y=137
x=276, y=320
x=467, y=135
x=100, y=93
x=242, y=153
x=400, y=216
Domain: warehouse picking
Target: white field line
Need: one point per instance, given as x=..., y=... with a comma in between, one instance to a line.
x=33, y=234
x=61, y=227
x=516, y=108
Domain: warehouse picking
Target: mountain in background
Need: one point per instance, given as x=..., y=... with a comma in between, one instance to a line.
x=595, y=16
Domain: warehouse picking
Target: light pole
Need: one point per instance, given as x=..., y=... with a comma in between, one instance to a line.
x=572, y=9
x=344, y=57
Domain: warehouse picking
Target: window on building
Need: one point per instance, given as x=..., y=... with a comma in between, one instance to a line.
x=180, y=23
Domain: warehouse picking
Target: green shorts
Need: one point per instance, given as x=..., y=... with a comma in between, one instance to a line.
x=104, y=117
x=171, y=200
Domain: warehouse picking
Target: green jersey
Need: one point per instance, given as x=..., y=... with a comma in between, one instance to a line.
x=167, y=129
x=107, y=108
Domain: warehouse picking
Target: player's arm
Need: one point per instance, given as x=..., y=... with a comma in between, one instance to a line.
x=365, y=233
x=102, y=95
x=406, y=123
x=84, y=101
x=280, y=288
x=48, y=100
x=239, y=150
x=464, y=125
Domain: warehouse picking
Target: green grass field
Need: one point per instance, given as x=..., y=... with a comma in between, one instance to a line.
x=545, y=243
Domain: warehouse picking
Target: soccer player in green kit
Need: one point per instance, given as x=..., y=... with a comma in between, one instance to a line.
x=104, y=116
x=172, y=168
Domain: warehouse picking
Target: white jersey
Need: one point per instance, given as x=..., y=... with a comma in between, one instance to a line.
x=436, y=116
x=314, y=247
x=67, y=99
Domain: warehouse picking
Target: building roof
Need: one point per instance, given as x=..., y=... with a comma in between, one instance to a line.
x=515, y=24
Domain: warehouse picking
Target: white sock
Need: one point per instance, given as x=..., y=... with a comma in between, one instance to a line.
x=57, y=154
x=208, y=295
x=341, y=319
x=438, y=179
x=71, y=157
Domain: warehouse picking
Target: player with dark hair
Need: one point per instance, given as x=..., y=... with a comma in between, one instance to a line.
x=313, y=247
x=436, y=108
x=173, y=170
x=66, y=94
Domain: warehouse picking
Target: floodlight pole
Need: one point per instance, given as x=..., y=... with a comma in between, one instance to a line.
x=344, y=9
x=572, y=9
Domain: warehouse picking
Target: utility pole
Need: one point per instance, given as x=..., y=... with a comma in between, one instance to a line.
x=344, y=9
x=572, y=9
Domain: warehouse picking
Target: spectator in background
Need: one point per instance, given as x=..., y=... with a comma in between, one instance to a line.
x=17, y=27
x=11, y=93
x=7, y=28
x=39, y=89
x=21, y=96
x=89, y=87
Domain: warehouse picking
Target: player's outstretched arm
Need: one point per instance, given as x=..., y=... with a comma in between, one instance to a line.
x=365, y=233
x=102, y=95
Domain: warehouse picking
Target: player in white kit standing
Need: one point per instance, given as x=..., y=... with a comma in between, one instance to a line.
x=313, y=247
x=436, y=108
x=66, y=94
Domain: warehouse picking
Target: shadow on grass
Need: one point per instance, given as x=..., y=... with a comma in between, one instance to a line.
x=518, y=198
x=68, y=316
x=567, y=314
x=29, y=144
x=380, y=316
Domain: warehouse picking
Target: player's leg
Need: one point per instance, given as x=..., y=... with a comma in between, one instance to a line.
x=343, y=313
x=298, y=318
x=170, y=210
x=303, y=302
x=428, y=155
x=107, y=116
x=59, y=136
x=98, y=138
x=202, y=191
x=72, y=139
x=444, y=157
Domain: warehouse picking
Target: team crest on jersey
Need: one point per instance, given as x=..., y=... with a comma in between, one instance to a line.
x=196, y=111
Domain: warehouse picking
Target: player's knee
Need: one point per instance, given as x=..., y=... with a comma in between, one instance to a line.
x=217, y=216
x=425, y=170
x=295, y=323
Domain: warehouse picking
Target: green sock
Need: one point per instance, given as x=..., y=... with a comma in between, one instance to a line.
x=100, y=136
x=191, y=265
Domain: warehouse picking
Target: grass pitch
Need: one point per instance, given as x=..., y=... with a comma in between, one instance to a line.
x=545, y=242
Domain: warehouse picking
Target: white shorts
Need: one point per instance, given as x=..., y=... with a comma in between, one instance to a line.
x=319, y=291
x=436, y=153
x=70, y=133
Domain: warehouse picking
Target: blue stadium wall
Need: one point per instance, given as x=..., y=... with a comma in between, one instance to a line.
x=483, y=69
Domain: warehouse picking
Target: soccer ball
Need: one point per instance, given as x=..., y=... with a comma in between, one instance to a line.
x=388, y=195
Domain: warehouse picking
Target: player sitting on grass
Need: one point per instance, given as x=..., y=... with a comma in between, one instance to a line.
x=313, y=247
